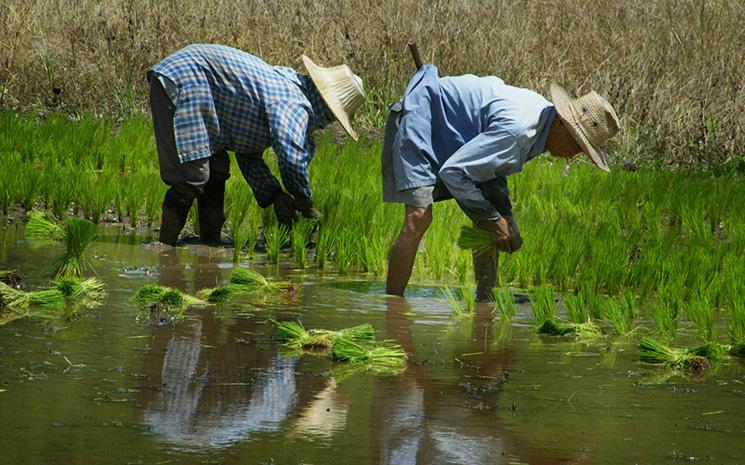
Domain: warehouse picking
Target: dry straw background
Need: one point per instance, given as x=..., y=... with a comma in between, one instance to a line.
x=673, y=69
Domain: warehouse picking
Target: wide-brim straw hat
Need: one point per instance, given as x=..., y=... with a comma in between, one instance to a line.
x=341, y=89
x=590, y=119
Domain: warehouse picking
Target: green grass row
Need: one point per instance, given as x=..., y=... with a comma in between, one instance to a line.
x=676, y=240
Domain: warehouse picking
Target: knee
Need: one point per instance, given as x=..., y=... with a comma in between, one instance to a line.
x=417, y=221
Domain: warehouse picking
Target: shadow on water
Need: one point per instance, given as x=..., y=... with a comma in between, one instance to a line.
x=217, y=387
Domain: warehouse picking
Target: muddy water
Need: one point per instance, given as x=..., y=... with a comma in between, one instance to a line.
x=215, y=388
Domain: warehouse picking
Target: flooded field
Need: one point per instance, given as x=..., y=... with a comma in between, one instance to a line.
x=118, y=385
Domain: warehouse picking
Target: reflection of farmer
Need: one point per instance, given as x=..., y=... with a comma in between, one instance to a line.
x=460, y=137
x=208, y=99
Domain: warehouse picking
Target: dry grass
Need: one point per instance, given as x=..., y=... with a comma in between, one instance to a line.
x=673, y=69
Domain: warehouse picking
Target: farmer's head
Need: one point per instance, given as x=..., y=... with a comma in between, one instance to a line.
x=341, y=89
x=582, y=125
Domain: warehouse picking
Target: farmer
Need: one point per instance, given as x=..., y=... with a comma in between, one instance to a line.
x=208, y=99
x=460, y=137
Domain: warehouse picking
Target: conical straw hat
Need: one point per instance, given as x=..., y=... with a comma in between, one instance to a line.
x=591, y=121
x=341, y=89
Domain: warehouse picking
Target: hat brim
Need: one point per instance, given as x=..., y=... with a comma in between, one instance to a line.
x=562, y=101
x=317, y=73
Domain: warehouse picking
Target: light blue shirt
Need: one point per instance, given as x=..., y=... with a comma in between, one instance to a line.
x=466, y=130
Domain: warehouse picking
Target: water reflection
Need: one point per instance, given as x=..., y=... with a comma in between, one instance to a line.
x=204, y=389
x=423, y=417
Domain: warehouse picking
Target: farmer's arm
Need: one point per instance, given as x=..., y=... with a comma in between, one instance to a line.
x=293, y=145
x=259, y=177
x=491, y=154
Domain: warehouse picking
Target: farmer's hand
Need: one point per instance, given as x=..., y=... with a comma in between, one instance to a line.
x=500, y=234
x=305, y=207
x=284, y=209
x=516, y=241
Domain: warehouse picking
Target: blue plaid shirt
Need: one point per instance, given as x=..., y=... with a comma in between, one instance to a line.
x=231, y=100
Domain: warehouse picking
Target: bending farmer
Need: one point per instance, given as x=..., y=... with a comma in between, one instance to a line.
x=208, y=99
x=460, y=137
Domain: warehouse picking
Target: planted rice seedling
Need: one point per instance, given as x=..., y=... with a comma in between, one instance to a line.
x=543, y=304
x=300, y=237
x=505, y=304
x=275, y=236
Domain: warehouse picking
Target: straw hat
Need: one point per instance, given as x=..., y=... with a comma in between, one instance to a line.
x=341, y=89
x=590, y=119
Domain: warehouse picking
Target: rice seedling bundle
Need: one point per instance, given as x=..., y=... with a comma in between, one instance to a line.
x=473, y=238
x=556, y=327
x=383, y=356
x=653, y=351
x=296, y=336
x=77, y=234
x=253, y=281
x=164, y=297
x=91, y=289
x=18, y=299
x=711, y=351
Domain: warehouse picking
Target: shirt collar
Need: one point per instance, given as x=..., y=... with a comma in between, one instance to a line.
x=321, y=115
x=545, y=121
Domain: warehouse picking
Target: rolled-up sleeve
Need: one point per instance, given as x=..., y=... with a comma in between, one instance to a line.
x=493, y=153
x=293, y=145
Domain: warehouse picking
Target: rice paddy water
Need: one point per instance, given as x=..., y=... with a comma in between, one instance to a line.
x=634, y=279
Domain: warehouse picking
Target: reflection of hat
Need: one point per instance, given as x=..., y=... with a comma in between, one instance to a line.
x=590, y=119
x=341, y=89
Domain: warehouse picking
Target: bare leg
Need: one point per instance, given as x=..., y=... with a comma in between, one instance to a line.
x=485, y=266
x=403, y=253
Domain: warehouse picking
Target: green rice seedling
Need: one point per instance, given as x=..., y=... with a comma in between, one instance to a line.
x=616, y=313
x=453, y=302
x=556, y=327
x=221, y=294
x=163, y=297
x=468, y=295
x=711, y=351
x=275, y=237
x=379, y=355
x=41, y=227
x=256, y=282
x=542, y=303
x=664, y=322
x=296, y=336
x=704, y=316
x=473, y=238
x=77, y=234
x=575, y=308
x=653, y=351
x=736, y=323
x=300, y=237
x=505, y=304
x=18, y=299
x=87, y=290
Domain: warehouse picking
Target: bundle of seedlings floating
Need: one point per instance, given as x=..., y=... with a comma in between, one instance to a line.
x=68, y=293
x=296, y=336
x=374, y=355
x=243, y=281
x=473, y=238
x=159, y=297
x=77, y=234
x=696, y=360
x=557, y=327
